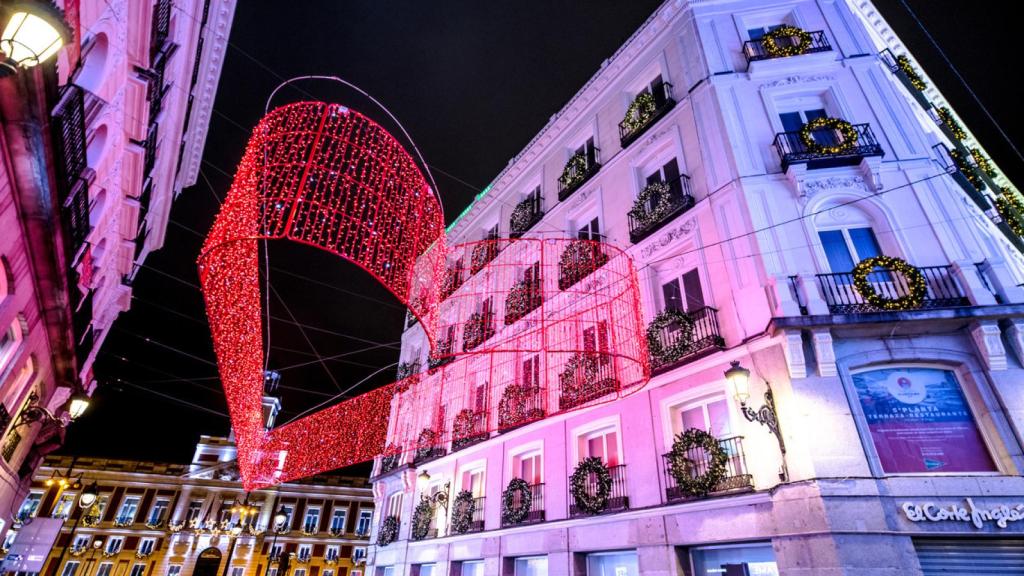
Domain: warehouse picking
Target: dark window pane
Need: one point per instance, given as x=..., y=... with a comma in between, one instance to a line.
x=673, y=295
x=694, y=294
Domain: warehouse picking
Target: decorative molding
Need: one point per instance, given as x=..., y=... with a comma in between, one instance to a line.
x=793, y=347
x=797, y=79
x=667, y=238
x=824, y=353
x=988, y=339
x=813, y=187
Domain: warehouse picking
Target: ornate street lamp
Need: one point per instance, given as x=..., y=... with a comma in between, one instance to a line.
x=739, y=378
x=33, y=32
x=35, y=412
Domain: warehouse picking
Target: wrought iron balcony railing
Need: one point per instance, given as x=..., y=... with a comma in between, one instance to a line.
x=478, y=329
x=903, y=70
x=943, y=290
x=161, y=25
x=755, y=51
x=525, y=215
x=476, y=524
x=428, y=453
x=75, y=216
x=737, y=478
x=469, y=428
x=579, y=260
x=648, y=219
x=483, y=253
x=632, y=128
x=573, y=177
x=149, y=160
x=592, y=376
x=704, y=339
x=520, y=404
x=618, y=498
x=535, y=513
x=69, y=138
x=793, y=150
x=524, y=297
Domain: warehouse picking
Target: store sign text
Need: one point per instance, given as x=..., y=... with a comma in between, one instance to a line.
x=931, y=512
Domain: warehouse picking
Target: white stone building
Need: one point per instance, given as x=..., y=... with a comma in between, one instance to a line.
x=894, y=425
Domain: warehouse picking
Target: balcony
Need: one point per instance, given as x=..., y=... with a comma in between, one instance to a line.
x=905, y=72
x=520, y=404
x=161, y=25
x=426, y=447
x=755, y=51
x=536, y=511
x=524, y=297
x=444, y=352
x=618, y=498
x=389, y=462
x=644, y=112
x=453, y=279
x=525, y=215
x=75, y=218
x=703, y=340
x=69, y=137
x=483, y=253
x=476, y=523
x=579, y=260
x=830, y=149
x=839, y=293
x=478, y=329
x=657, y=205
x=469, y=428
x=149, y=160
x=737, y=477
x=580, y=168
x=587, y=376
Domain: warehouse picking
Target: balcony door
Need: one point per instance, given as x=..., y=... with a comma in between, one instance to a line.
x=711, y=416
x=589, y=151
x=473, y=481
x=793, y=122
x=603, y=444
x=844, y=248
x=683, y=293
x=589, y=230
x=528, y=467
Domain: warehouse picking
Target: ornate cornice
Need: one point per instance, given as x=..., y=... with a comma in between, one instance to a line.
x=666, y=238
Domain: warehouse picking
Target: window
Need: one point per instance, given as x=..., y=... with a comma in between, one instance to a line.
x=388, y=571
x=528, y=467
x=240, y=571
x=157, y=512
x=194, y=508
x=589, y=230
x=114, y=544
x=105, y=569
x=287, y=510
x=474, y=568
x=64, y=505
x=174, y=570
x=656, y=88
x=139, y=570
x=491, y=233
x=919, y=421
x=603, y=444
x=668, y=173
x=299, y=572
x=328, y=572
x=225, y=513
x=81, y=542
x=30, y=505
x=10, y=340
x=612, y=564
x=589, y=151
x=338, y=520
x=754, y=560
x=9, y=538
x=146, y=546
x=531, y=566
x=129, y=508
x=711, y=415
x=845, y=247
x=331, y=553
x=70, y=568
x=305, y=551
x=363, y=525
x=683, y=293
x=358, y=554
x=759, y=32
x=529, y=375
x=271, y=571
x=473, y=480
x=275, y=550
x=427, y=570
x=312, y=521
x=794, y=121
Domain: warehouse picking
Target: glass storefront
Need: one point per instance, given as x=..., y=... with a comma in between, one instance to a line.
x=734, y=560
x=473, y=568
x=613, y=564
x=531, y=566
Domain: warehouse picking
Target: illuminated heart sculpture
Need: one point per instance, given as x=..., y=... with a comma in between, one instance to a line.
x=570, y=335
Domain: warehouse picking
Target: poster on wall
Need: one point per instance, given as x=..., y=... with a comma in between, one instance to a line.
x=919, y=421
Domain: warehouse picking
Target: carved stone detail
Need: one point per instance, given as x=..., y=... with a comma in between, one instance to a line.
x=988, y=339
x=667, y=238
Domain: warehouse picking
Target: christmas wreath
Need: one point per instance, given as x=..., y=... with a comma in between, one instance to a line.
x=580, y=381
x=425, y=443
x=452, y=281
x=644, y=213
x=522, y=299
x=519, y=404
x=1011, y=210
x=913, y=277
x=575, y=171
x=969, y=170
x=908, y=70
x=462, y=513
x=479, y=327
x=983, y=163
x=579, y=485
x=483, y=252
x=946, y=116
x=779, y=42
x=464, y=429
x=511, y=513
x=639, y=113
x=388, y=532
x=421, y=518
x=847, y=133
x=681, y=466
x=579, y=260
x=681, y=341
x=522, y=216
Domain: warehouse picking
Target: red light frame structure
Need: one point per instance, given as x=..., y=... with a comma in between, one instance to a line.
x=326, y=176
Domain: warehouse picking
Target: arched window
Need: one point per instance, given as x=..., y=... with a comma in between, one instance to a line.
x=10, y=340
x=847, y=235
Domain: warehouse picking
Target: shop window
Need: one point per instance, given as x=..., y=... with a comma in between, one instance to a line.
x=738, y=560
x=613, y=564
x=474, y=568
x=531, y=566
x=919, y=421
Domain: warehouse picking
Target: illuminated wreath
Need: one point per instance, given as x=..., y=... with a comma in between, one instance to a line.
x=389, y=461
x=510, y=513
x=578, y=483
x=681, y=341
x=513, y=407
x=968, y=169
x=421, y=518
x=946, y=115
x=388, y=532
x=1011, y=210
x=522, y=299
x=681, y=467
x=639, y=113
x=483, y=253
x=983, y=163
x=522, y=214
x=848, y=136
x=575, y=171
x=658, y=191
x=772, y=46
x=914, y=278
x=478, y=328
x=464, y=430
x=911, y=73
x=579, y=260
x=425, y=443
x=462, y=514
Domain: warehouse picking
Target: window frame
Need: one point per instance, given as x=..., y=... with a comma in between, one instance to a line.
x=108, y=545
x=601, y=426
x=76, y=563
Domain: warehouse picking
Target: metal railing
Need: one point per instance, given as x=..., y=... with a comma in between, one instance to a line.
x=476, y=524
x=594, y=377
x=842, y=297
x=149, y=160
x=527, y=295
x=75, y=216
x=704, y=338
x=793, y=150
x=452, y=281
x=737, y=477
x=579, y=177
x=585, y=258
x=428, y=454
x=618, y=498
x=893, y=63
x=476, y=433
x=161, y=25
x=520, y=405
x=483, y=253
x=535, y=513
x=534, y=204
x=755, y=51
x=663, y=102
x=69, y=137
x=681, y=200
x=478, y=329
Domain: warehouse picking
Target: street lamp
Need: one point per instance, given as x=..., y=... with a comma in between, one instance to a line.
x=34, y=31
x=85, y=500
x=35, y=412
x=766, y=415
x=280, y=517
x=77, y=405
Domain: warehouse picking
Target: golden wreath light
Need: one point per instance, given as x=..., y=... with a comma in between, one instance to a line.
x=846, y=131
x=770, y=41
x=918, y=288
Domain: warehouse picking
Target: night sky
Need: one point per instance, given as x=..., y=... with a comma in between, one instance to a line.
x=472, y=82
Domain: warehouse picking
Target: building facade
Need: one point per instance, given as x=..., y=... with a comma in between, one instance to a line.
x=177, y=519
x=798, y=198
x=97, y=144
